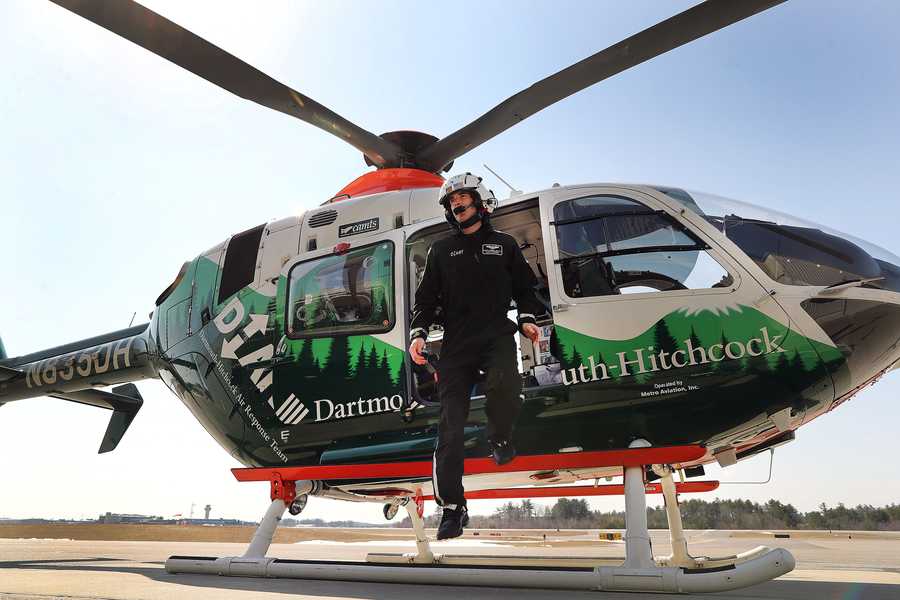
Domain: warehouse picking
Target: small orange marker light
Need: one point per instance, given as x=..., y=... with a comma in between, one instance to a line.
x=341, y=248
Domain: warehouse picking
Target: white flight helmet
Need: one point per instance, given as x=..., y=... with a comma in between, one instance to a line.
x=472, y=184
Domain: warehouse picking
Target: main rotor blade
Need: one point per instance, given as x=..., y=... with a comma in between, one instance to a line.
x=676, y=31
x=189, y=51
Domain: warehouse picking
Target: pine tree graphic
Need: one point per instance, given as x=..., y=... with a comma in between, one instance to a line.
x=372, y=365
x=307, y=367
x=360, y=371
x=385, y=377
x=600, y=361
x=557, y=350
x=695, y=341
x=723, y=365
x=832, y=365
x=356, y=384
x=577, y=360
x=799, y=375
x=301, y=376
x=758, y=364
x=337, y=367
x=663, y=338
x=797, y=365
x=783, y=367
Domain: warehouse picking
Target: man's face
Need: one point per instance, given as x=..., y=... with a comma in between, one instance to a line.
x=462, y=199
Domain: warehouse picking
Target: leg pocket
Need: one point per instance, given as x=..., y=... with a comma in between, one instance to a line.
x=502, y=388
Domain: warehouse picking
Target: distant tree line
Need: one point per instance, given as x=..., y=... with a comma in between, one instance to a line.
x=288, y=522
x=696, y=514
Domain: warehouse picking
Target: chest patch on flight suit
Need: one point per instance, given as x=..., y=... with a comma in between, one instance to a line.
x=495, y=249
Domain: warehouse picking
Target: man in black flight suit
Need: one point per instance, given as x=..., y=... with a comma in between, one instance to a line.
x=472, y=276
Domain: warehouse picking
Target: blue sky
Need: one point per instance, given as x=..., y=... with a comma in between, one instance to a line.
x=117, y=166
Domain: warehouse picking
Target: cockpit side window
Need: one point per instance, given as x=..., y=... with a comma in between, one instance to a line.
x=614, y=245
x=798, y=255
x=794, y=251
x=343, y=294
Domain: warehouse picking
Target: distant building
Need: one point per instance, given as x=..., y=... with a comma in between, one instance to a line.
x=124, y=518
x=217, y=522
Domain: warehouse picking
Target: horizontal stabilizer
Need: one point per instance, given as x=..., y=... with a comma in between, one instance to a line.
x=8, y=374
x=125, y=401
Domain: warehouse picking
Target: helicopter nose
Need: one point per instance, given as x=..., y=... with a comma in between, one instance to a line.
x=865, y=333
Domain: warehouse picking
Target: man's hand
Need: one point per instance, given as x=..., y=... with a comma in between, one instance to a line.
x=415, y=350
x=531, y=331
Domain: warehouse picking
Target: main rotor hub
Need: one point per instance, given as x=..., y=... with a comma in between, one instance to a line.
x=411, y=143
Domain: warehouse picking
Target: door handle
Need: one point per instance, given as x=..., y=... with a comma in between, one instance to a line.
x=561, y=307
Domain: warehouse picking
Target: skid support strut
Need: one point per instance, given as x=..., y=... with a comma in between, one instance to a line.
x=640, y=572
x=262, y=537
x=679, y=572
x=680, y=556
x=638, y=552
x=254, y=562
x=416, y=510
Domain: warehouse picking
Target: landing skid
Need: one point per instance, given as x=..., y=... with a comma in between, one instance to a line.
x=640, y=572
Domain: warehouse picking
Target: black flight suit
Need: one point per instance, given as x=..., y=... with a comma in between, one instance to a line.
x=473, y=278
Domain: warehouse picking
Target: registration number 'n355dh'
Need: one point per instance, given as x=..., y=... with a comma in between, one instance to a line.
x=85, y=363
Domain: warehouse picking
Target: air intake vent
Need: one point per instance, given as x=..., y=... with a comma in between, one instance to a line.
x=326, y=217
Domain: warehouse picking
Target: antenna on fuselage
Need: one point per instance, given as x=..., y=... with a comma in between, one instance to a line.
x=512, y=191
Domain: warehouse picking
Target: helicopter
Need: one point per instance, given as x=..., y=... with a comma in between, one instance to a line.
x=286, y=340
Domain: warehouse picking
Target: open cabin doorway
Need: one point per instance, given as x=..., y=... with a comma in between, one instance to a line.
x=522, y=221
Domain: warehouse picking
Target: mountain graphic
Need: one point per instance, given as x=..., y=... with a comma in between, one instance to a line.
x=703, y=328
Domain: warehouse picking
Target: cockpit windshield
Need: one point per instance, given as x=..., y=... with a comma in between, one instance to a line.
x=794, y=251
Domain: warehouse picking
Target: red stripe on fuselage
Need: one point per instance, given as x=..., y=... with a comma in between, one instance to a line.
x=632, y=457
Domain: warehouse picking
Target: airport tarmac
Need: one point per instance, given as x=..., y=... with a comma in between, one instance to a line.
x=839, y=565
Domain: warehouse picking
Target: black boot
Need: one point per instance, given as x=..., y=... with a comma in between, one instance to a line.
x=452, y=523
x=503, y=451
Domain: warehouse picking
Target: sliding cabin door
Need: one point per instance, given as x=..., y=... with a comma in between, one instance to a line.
x=339, y=370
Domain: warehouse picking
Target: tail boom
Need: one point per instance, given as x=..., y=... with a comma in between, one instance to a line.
x=72, y=372
x=116, y=358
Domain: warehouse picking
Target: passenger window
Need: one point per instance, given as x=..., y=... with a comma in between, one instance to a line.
x=613, y=245
x=240, y=262
x=350, y=293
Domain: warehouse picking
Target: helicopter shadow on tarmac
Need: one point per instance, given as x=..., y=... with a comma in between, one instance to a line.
x=153, y=570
